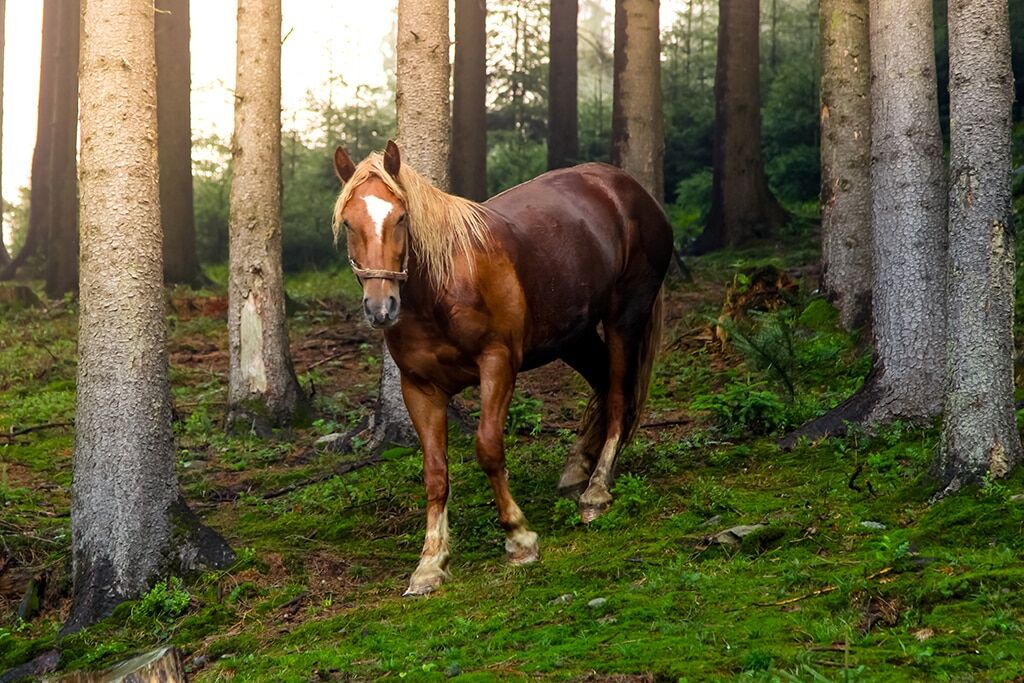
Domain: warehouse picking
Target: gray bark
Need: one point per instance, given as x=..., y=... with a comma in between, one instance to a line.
x=846, y=159
x=262, y=387
x=908, y=215
x=128, y=521
x=469, y=111
x=173, y=113
x=638, y=129
x=908, y=212
x=979, y=434
x=424, y=136
x=563, y=115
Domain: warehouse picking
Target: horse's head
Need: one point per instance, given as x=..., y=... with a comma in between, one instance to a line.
x=377, y=232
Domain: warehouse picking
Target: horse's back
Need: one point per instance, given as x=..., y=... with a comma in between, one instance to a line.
x=580, y=238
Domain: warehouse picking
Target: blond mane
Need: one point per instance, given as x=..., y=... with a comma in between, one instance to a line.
x=441, y=226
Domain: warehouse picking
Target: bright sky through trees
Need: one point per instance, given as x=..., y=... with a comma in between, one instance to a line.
x=322, y=37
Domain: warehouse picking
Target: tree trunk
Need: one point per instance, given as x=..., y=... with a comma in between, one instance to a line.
x=5, y=257
x=173, y=113
x=262, y=389
x=129, y=524
x=469, y=112
x=638, y=129
x=563, y=117
x=40, y=200
x=62, y=231
x=979, y=431
x=846, y=159
x=422, y=105
x=742, y=206
x=908, y=215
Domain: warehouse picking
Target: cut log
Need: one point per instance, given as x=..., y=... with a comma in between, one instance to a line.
x=159, y=666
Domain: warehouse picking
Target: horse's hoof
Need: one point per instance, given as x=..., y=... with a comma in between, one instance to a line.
x=588, y=513
x=524, y=549
x=416, y=590
x=425, y=580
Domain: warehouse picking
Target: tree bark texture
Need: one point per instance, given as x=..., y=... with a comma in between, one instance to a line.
x=979, y=431
x=743, y=208
x=846, y=159
x=563, y=114
x=40, y=200
x=424, y=137
x=173, y=113
x=909, y=231
x=62, y=230
x=5, y=257
x=638, y=128
x=128, y=521
x=469, y=110
x=908, y=212
x=262, y=389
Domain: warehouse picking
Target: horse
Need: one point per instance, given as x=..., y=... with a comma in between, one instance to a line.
x=566, y=266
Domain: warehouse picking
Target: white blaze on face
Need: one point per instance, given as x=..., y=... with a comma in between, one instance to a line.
x=379, y=209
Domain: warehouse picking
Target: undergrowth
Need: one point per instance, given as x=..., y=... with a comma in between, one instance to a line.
x=849, y=574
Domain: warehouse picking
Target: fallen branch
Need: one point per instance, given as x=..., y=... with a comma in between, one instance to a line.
x=820, y=591
x=15, y=433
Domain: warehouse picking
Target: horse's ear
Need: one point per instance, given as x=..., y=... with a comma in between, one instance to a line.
x=392, y=159
x=343, y=166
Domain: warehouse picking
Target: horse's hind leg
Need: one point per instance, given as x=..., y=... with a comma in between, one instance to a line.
x=497, y=380
x=632, y=340
x=589, y=357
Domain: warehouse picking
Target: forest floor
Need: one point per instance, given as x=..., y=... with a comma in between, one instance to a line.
x=851, y=575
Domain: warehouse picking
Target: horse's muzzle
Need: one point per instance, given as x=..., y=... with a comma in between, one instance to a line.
x=381, y=313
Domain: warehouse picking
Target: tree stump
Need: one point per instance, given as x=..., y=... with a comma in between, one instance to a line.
x=159, y=666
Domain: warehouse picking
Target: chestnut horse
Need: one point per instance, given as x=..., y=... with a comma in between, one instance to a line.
x=566, y=266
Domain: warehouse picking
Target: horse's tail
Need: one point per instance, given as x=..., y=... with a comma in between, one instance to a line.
x=644, y=367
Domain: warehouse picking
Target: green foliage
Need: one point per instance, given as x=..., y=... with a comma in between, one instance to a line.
x=166, y=600
x=689, y=211
x=744, y=408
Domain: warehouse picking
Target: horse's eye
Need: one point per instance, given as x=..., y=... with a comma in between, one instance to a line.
x=402, y=218
x=345, y=224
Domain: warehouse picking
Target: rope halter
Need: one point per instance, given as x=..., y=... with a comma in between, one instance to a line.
x=377, y=274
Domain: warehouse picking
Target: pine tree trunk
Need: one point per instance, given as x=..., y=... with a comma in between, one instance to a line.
x=979, y=434
x=909, y=232
x=638, y=129
x=40, y=201
x=129, y=524
x=62, y=231
x=424, y=132
x=846, y=159
x=563, y=115
x=469, y=111
x=262, y=389
x=5, y=257
x=908, y=182
x=173, y=113
x=742, y=206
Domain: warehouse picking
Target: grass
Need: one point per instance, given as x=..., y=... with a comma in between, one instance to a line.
x=854, y=575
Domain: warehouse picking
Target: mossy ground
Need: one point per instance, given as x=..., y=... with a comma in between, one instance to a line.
x=854, y=576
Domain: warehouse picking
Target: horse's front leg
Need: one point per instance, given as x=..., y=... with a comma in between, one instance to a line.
x=497, y=380
x=428, y=408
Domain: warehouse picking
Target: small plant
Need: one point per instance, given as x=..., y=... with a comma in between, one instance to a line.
x=165, y=600
x=566, y=513
x=742, y=408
